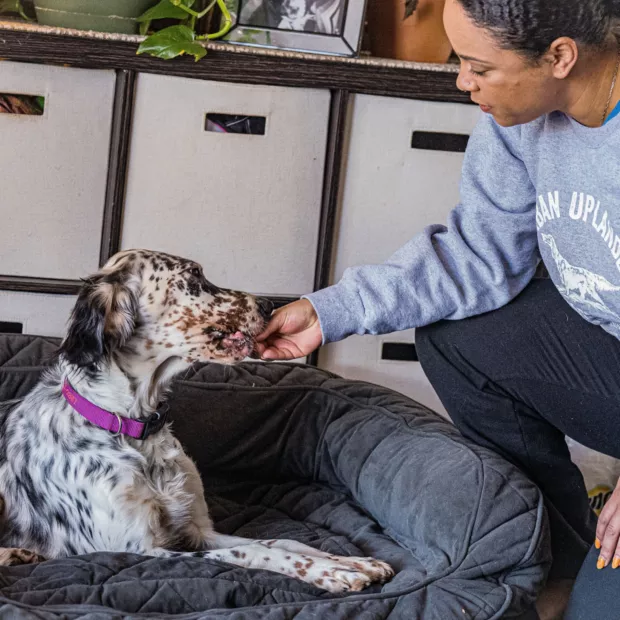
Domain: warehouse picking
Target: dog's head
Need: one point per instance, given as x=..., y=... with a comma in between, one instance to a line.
x=154, y=306
x=293, y=9
x=548, y=239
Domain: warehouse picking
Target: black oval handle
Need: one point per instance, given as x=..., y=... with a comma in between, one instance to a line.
x=439, y=141
x=399, y=352
x=8, y=327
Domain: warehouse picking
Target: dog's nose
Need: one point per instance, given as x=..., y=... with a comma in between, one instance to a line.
x=265, y=307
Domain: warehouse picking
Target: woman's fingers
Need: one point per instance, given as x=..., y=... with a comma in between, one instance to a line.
x=608, y=533
x=274, y=325
x=282, y=349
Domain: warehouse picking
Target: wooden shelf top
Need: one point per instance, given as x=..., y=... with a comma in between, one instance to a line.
x=25, y=42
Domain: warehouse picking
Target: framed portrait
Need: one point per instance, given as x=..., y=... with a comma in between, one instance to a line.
x=319, y=26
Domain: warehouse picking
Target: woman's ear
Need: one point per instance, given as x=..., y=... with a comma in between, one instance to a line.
x=562, y=56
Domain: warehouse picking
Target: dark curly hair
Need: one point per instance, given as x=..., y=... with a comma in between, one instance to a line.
x=530, y=26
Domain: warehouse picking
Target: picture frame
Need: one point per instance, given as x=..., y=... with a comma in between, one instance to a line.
x=331, y=27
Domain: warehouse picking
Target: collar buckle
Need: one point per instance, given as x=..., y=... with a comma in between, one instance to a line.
x=154, y=423
x=120, y=425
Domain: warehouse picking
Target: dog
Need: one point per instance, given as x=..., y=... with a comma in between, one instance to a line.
x=87, y=460
x=318, y=16
x=296, y=15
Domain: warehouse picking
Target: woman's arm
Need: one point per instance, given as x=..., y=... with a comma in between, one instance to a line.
x=483, y=258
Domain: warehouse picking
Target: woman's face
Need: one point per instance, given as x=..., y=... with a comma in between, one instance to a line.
x=505, y=84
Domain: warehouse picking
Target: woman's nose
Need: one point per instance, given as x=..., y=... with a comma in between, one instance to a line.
x=464, y=83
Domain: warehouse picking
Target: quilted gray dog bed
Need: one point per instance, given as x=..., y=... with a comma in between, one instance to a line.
x=288, y=451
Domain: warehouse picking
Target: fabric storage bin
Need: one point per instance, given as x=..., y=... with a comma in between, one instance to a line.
x=402, y=173
x=53, y=170
x=245, y=206
x=35, y=313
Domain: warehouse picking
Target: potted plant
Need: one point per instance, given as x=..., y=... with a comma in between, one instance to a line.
x=408, y=30
x=126, y=16
x=101, y=15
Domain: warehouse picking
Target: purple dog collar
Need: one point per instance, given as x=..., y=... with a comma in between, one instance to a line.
x=113, y=422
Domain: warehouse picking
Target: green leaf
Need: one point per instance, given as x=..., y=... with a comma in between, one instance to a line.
x=410, y=7
x=172, y=42
x=163, y=10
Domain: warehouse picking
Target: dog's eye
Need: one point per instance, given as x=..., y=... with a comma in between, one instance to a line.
x=196, y=272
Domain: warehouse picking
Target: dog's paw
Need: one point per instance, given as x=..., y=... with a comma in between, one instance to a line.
x=15, y=557
x=377, y=571
x=353, y=574
x=339, y=580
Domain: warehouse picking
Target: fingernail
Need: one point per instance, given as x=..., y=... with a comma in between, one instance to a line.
x=602, y=562
x=597, y=543
x=615, y=563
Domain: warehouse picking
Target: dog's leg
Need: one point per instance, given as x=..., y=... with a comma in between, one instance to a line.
x=332, y=573
x=222, y=541
x=13, y=557
x=377, y=571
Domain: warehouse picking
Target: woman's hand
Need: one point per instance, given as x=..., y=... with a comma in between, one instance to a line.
x=608, y=532
x=293, y=331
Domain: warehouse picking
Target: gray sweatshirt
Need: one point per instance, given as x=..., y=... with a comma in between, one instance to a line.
x=550, y=189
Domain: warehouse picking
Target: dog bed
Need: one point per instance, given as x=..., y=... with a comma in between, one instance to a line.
x=289, y=451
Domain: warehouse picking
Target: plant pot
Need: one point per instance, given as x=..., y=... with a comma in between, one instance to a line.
x=101, y=15
x=419, y=38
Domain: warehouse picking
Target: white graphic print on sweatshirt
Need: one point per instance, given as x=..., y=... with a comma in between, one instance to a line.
x=585, y=290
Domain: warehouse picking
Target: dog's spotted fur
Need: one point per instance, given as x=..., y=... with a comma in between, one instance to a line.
x=71, y=488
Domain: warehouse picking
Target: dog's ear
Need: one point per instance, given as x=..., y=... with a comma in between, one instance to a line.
x=103, y=318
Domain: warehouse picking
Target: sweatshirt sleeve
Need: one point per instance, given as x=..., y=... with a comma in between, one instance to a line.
x=485, y=255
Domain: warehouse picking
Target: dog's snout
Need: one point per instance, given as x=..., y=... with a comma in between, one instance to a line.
x=265, y=307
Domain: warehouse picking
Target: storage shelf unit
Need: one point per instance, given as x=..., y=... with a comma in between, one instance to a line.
x=334, y=118
x=231, y=63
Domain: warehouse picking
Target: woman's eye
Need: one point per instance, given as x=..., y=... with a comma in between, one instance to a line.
x=479, y=73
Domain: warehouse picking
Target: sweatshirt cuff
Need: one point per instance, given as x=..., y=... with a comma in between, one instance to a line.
x=336, y=309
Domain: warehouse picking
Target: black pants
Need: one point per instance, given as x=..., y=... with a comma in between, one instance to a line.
x=595, y=595
x=518, y=380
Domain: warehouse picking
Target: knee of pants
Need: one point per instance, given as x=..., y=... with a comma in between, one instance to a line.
x=436, y=346
x=449, y=352
x=431, y=342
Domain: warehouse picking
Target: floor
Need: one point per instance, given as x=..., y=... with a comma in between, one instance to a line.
x=554, y=599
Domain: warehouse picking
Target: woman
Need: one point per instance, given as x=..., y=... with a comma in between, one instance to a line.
x=541, y=178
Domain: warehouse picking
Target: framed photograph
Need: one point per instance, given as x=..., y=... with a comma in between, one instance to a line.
x=319, y=26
